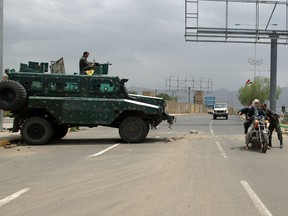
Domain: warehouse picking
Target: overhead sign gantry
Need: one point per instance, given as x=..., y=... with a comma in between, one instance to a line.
x=236, y=21
x=240, y=21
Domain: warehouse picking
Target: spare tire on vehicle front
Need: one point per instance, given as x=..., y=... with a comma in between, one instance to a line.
x=12, y=95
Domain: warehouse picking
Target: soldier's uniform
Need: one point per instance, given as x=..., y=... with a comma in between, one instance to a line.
x=274, y=124
x=84, y=65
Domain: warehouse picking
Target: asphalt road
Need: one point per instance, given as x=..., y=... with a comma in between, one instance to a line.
x=174, y=172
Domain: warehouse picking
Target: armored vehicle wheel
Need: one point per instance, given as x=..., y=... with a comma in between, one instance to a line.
x=60, y=131
x=12, y=95
x=133, y=130
x=36, y=131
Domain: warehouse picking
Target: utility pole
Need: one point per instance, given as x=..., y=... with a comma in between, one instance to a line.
x=189, y=95
x=1, y=55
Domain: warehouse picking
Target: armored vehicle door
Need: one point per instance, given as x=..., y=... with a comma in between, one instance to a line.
x=96, y=106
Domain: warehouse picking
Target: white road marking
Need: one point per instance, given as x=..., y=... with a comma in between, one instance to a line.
x=13, y=196
x=257, y=202
x=105, y=150
x=221, y=150
x=211, y=129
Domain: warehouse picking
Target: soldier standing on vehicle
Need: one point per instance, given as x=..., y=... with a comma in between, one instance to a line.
x=84, y=64
x=274, y=124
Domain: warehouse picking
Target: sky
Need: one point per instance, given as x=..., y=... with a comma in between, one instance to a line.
x=144, y=41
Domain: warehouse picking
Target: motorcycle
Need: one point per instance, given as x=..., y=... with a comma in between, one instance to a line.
x=259, y=136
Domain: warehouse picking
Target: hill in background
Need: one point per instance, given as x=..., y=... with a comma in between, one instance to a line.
x=221, y=95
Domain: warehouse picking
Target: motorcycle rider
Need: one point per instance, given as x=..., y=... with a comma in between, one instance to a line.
x=274, y=124
x=254, y=110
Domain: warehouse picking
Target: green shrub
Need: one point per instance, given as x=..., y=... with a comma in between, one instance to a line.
x=6, y=113
x=284, y=120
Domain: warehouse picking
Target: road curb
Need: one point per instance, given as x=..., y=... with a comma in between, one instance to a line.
x=9, y=141
x=4, y=142
x=7, y=138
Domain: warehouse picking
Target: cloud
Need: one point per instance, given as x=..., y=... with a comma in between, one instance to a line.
x=144, y=40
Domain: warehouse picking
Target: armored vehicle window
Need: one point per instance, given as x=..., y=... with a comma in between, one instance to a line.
x=64, y=85
x=32, y=85
x=101, y=86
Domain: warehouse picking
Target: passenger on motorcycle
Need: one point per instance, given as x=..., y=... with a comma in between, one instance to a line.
x=251, y=111
x=247, y=119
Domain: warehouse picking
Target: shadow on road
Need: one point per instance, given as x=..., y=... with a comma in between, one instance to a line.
x=251, y=149
x=103, y=141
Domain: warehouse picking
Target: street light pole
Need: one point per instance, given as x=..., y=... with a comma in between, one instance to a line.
x=255, y=62
x=1, y=55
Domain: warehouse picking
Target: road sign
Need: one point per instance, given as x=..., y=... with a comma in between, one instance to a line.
x=209, y=98
x=209, y=101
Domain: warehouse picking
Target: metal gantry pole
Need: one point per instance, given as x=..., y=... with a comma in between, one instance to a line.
x=273, y=74
x=1, y=55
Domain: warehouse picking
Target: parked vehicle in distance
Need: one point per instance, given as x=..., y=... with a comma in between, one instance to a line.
x=45, y=105
x=220, y=110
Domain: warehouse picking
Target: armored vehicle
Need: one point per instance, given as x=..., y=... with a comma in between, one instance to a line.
x=45, y=105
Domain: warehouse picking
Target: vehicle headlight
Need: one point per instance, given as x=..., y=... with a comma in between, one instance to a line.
x=256, y=123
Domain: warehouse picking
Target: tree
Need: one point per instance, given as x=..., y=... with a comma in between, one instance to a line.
x=259, y=89
x=132, y=92
x=166, y=97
